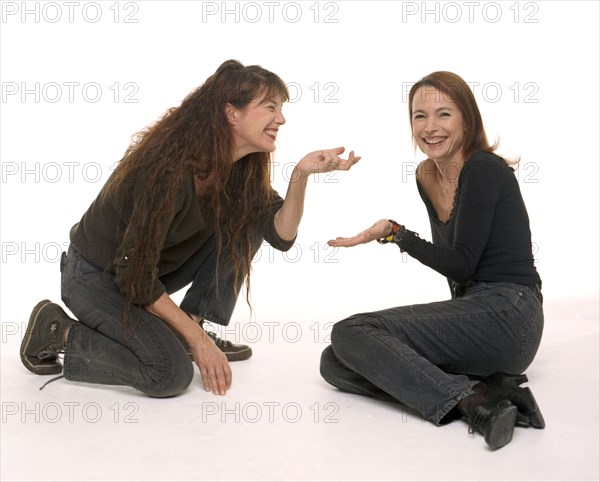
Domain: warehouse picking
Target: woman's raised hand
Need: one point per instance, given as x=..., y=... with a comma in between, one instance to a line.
x=326, y=160
x=380, y=229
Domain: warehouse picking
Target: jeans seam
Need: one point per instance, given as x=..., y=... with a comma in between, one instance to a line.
x=524, y=338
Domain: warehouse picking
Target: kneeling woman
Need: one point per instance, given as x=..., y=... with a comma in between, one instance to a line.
x=191, y=202
x=463, y=356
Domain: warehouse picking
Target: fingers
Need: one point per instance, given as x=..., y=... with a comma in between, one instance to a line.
x=327, y=160
x=336, y=150
x=363, y=237
x=216, y=379
x=337, y=163
x=346, y=164
x=339, y=243
x=228, y=376
x=205, y=377
x=344, y=242
x=216, y=373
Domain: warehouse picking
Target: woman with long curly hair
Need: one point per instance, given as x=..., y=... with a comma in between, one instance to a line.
x=190, y=202
x=463, y=357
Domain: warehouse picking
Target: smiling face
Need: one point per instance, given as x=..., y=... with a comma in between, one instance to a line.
x=438, y=126
x=255, y=126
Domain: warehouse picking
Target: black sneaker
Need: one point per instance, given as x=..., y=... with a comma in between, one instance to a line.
x=43, y=340
x=233, y=351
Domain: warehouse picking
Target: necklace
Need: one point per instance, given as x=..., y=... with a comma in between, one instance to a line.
x=448, y=186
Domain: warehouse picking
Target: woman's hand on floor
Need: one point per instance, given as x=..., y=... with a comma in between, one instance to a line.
x=214, y=367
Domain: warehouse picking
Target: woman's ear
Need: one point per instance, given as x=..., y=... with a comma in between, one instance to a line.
x=231, y=113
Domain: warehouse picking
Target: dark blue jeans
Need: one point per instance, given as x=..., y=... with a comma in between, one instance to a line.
x=142, y=352
x=429, y=356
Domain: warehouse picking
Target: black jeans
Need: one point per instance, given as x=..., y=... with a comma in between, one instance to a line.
x=429, y=356
x=142, y=352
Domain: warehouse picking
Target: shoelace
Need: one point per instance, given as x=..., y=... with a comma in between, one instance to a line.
x=219, y=341
x=51, y=380
x=476, y=422
x=51, y=350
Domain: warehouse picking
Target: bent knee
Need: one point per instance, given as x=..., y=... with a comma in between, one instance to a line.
x=348, y=329
x=328, y=363
x=173, y=380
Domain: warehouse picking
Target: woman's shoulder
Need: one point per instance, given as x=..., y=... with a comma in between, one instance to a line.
x=486, y=162
x=486, y=158
x=486, y=167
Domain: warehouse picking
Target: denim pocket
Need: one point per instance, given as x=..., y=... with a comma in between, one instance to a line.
x=505, y=297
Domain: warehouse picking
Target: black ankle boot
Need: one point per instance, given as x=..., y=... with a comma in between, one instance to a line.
x=494, y=420
x=502, y=385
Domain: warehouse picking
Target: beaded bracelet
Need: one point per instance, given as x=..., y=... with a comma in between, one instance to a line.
x=395, y=235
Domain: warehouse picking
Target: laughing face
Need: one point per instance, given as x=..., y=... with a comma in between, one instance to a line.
x=255, y=127
x=437, y=126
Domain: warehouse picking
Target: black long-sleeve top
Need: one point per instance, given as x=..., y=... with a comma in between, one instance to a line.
x=487, y=237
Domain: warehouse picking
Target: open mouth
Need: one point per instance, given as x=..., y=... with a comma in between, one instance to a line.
x=272, y=133
x=434, y=141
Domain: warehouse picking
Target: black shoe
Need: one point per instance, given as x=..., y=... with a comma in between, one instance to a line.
x=494, y=420
x=506, y=386
x=233, y=351
x=44, y=338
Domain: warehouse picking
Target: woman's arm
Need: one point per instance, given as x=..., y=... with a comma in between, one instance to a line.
x=480, y=190
x=213, y=364
x=287, y=219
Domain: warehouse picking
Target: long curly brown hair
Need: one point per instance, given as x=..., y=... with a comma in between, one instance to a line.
x=196, y=138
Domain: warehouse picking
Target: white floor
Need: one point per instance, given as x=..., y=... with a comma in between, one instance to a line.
x=281, y=421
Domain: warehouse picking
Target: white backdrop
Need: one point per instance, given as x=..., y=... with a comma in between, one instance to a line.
x=80, y=78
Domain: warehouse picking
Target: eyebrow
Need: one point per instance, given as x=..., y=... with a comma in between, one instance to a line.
x=437, y=110
x=270, y=100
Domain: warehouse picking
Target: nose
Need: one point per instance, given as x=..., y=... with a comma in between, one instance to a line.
x=280, y=119
x=431, y=124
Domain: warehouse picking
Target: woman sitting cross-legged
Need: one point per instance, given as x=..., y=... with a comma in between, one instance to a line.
x=462, y=357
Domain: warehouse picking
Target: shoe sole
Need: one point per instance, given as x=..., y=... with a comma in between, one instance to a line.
x=231, y=356
x=501, y=429
x=526, y=404
x=239, y=355
x=529, y=413
x=42, y=367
